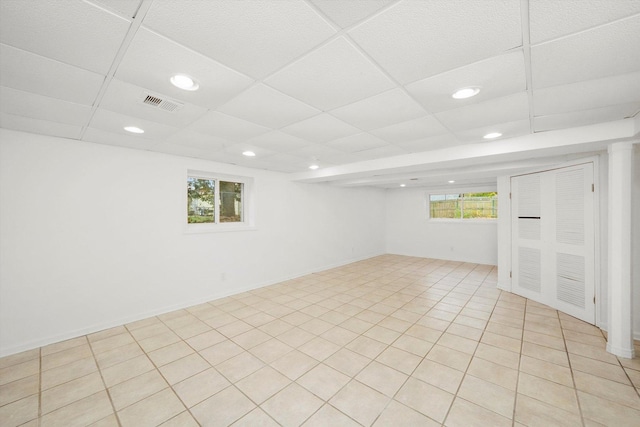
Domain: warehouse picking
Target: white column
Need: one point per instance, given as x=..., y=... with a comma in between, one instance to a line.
x=620, y=333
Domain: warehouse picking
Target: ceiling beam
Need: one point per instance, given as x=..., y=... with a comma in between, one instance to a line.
x=544, y=144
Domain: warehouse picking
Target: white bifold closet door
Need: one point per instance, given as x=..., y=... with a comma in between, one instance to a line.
x=552, y=228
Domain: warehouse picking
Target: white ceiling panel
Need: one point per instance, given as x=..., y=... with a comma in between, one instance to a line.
x=381, y=110
x=321, y=128
x=188, y=138
x=411, y=130
x=318, y=153
x=254, y=37
x=227, y=127
x=151, y=60
x=125, y=98
x=33, y=73
x=500, y=110
x=585, y=117
x=100, y=136
x=73, y=32
x=20, y=103
x=44, y=127
x=552, y=18
x=332, y=76
x=426, y=144
x=381, y=152
x=278, y=141
x=507, y=129
x=602, y=52
x=127, y=8
x=241, y=147
x=359, y=142
x=498, y=76
x=587, y=95
x=287, y=163
x=347, y=13
x=256, y=104
x=112, y=122
x=180, y=150
x=417, y=39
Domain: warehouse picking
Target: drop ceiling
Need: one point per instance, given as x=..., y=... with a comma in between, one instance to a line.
x=325, y=82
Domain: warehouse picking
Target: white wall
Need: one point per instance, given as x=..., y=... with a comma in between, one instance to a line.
x=92, y=236
x=410, y=232
x=635, y=242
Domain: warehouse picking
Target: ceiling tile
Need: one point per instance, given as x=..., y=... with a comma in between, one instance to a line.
x=347, y=13
x=498, y=76
x=380, y=152
x=127, y=8
x=585, y=117
x=381, y=110
x=332, y=76
x=318, y=153
x=417, y=39
x=507, y=129
x=268, y=107
x=550, y=19
x=73, y=32
x=241, y=147
x=254, y=37
x=602, y=52
x=180, y=150
x=112, y=122
x=100, y=136
x=287, y=163
x=587, y=95
x=359, y=142
x=20, y=103
x=37, y=74
x=278, y=141
x=431, y=143
x=321, y=128
x=44, y=127
x=411, y=130
x=227, y=127
x=125, y=98
x=188, y=138
x=151, y=60
x=499, y=110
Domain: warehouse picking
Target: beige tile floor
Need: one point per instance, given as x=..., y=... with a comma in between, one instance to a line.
x=393, y=340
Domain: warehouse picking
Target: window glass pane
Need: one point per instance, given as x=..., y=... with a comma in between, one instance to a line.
x=481, y=205
x=463, y=206
x=444, y=205
x=230, y=201
x=200, y=200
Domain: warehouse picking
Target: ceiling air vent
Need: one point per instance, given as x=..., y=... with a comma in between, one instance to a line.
x=161, y=103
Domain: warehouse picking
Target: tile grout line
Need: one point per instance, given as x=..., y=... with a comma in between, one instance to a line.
x=113, y=406
x=515, y=397
x=573, y=379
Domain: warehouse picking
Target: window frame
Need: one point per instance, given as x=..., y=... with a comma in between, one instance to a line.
x=248, y=208
x=462, y=220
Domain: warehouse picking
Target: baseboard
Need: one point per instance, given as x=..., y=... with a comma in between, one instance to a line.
x=41, y=342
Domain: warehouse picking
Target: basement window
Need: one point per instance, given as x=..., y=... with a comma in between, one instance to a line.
x=463, y=206
x=217, y=202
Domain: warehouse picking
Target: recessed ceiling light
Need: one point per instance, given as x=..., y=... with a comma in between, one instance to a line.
x=492, y=135
x=403, y=185
x=249, y=153
x=314, y=167
x=451, y=182
x=133, y=129
x=185, y=82
x=466, y=92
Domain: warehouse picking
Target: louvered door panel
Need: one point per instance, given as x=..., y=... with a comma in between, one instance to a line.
x=553, y=239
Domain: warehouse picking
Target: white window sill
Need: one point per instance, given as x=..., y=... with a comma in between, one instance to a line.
x=217, y=228
x=463, y=221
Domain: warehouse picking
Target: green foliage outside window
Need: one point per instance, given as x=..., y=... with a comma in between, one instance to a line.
x=464, y=206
